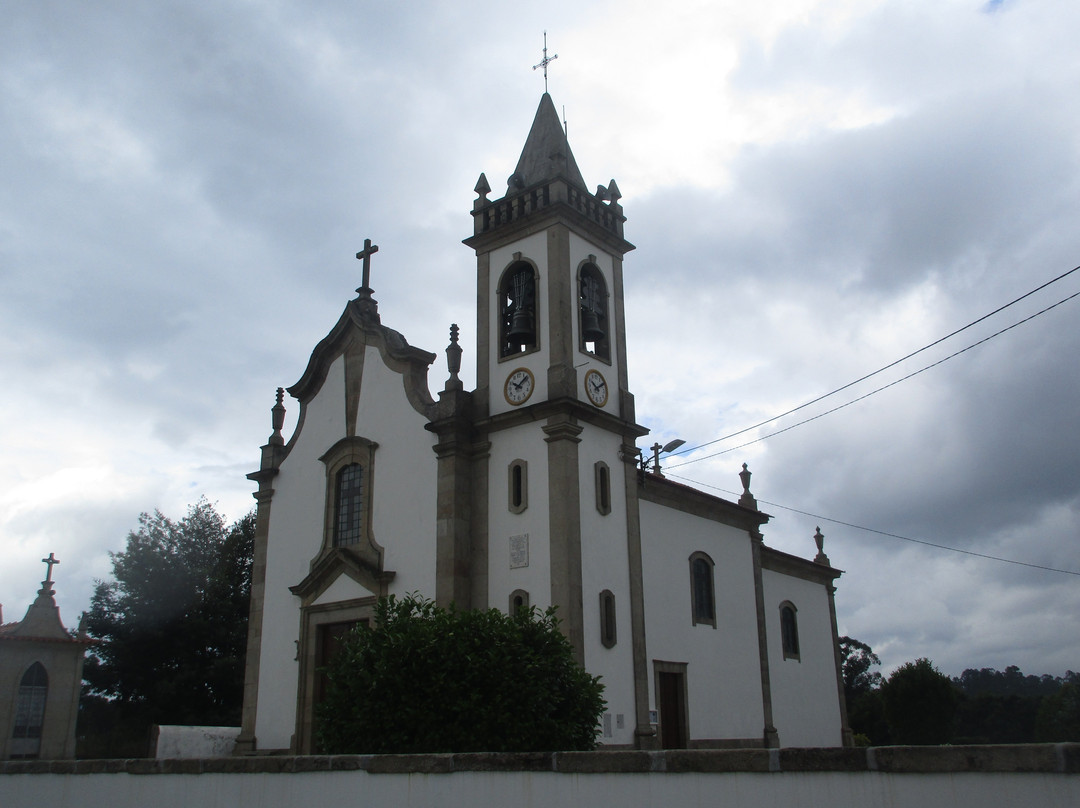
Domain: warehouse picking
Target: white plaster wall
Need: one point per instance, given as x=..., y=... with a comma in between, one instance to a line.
x=525, y=443
x=343, y=588
x=295, y=536
x=806, y=704
x=533, y=248
x=723, y=672
x=469, y=789
x=405, y=480
x=403, y=487
x=605, y=565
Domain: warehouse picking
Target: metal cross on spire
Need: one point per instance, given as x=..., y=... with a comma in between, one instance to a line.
x=545, y=61
x=50, y=561
x=365, y=255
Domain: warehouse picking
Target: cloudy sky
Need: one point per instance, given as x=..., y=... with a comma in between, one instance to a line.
x=816, y=188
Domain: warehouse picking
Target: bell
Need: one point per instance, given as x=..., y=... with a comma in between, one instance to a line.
x=520, y=326
x=590, y=326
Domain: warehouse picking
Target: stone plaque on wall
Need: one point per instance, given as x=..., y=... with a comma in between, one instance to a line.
x=519, y=551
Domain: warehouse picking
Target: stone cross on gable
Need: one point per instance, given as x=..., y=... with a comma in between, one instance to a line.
x=50, y=561
x=365, y=255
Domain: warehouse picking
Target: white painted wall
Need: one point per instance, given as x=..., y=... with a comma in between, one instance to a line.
x=723, y=673
x=520, y=443
x=605, y=565
x=806, y=705
x=295, y=536
x=469, y=789
x=403, y=486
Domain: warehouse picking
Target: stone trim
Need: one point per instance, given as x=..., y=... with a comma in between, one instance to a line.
x=787, y=564
x=1033, y=759
x=769, y=734
x=562, y=435
x=345, y=452
x=662, y=491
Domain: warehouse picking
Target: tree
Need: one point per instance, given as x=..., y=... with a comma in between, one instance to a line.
x=856, y=660
x=172, y=624
x=1059, y=714
x=427, y=679
x=920, y=703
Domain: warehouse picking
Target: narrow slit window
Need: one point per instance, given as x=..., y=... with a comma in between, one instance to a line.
x=608, y=634
x=603, y=488
x=519, y=599
x=518, y=485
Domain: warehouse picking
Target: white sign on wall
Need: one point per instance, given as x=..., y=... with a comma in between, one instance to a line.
x=519, y=551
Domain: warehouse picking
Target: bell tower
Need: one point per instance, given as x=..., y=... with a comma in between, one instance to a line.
x=554, y=410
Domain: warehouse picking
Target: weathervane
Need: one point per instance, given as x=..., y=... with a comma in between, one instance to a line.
x=545, y=61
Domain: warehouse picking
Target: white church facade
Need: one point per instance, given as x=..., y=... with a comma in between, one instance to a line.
x=527, y=491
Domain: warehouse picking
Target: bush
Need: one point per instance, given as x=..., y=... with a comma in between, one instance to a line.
x=427, y=679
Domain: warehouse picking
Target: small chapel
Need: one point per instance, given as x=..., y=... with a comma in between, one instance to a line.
x=41, y=666
x=529, y=490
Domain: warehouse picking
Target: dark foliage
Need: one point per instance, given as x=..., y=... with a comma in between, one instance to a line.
x=866, y=712
x=1004, y=706
x=172, y=625
x=1059, y=714
x=426, y=679
x=920, y=704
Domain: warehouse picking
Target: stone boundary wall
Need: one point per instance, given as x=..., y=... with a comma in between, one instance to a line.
x=1022, y=758
x=1043, y=775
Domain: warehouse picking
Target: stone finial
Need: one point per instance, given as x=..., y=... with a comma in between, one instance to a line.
x=601, y=192
x=277, y=419
x=819, y=539
x=482, y=188
x=453, y=359
x=747, y=499
x=613, y=191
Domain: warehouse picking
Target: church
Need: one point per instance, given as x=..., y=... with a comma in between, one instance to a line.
x=529, y=491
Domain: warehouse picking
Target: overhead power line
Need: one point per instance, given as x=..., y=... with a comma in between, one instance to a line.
x=821, y=518
x=882, y=370
x=872, y=392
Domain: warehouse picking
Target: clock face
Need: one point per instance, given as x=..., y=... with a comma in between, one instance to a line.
x=596, y=388
x=519, y=386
